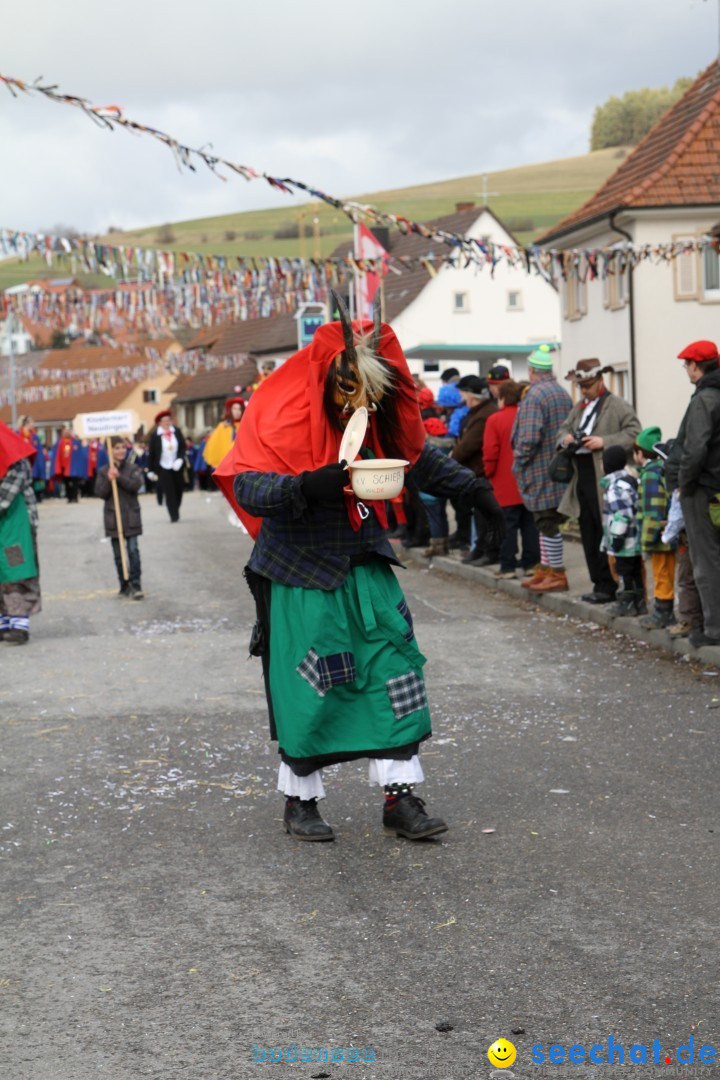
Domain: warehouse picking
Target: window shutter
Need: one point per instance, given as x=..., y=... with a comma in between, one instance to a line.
x=685, y=270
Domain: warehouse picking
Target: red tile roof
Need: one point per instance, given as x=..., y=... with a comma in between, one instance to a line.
x=676, y=164
x=277, y=333
x=67, y=408
x=79, y=357
x=209, y=385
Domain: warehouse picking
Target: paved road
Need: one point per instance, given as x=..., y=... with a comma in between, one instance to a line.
x=157, y=922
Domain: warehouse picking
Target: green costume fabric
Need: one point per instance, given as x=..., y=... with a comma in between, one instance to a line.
x=345, y=670
x=17, y=557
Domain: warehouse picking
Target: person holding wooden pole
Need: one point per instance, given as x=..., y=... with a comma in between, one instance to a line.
x=118, y=484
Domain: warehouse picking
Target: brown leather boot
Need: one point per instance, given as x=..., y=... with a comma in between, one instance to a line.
x=438, y=546
x=554, y=581
x=541, y=572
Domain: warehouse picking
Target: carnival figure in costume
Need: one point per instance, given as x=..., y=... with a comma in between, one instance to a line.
x=28, y=431
x=343, y=672
x=220, y=442
x=19, y=574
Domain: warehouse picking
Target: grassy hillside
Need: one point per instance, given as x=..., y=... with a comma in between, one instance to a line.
x=528, y=199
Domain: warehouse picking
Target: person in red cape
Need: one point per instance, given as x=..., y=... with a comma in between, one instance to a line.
x=19, y=574
x=342, y=669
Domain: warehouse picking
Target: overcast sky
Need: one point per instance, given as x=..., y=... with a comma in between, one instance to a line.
x=349, y=97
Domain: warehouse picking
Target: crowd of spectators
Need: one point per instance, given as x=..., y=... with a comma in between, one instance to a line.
x=645, y=507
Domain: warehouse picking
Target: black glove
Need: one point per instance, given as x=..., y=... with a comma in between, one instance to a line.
x=325, y=485
x=617, y=544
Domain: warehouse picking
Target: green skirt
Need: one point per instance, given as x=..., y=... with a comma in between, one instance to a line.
x=345, y=672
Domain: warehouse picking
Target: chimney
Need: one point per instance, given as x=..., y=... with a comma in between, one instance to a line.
x=460, y=206
x=382, y=235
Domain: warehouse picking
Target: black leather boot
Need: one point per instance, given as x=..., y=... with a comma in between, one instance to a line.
x=409, y=818
x=302, y=820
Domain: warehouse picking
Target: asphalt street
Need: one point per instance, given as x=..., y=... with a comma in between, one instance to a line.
x=158, y=922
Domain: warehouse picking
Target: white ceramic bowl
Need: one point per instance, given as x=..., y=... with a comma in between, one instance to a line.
x=377, y=478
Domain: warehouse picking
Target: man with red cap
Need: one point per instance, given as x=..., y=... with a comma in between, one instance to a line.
x=19, y=574
x=220, y=442
x=693, y=466
x=343, y=672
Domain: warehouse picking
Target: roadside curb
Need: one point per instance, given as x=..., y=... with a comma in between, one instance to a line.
x=567, y=604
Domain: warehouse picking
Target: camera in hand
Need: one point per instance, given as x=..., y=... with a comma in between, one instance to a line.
x=577, y=442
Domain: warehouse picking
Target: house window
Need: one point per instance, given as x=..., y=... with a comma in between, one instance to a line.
x=711, y=274
x=151, y=397
x=619, y=383
x=514, y=300
x=461, y=302
x=431, y=365
x=615, y=290
x=190, y=416
x=209, y=414
x=575, y=297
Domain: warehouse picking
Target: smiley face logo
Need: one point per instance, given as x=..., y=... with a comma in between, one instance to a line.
x=501, y=1054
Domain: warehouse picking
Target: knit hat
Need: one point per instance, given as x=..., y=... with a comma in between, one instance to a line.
x=700, y=352
x=497, y=374
x=614, y=458
x=435, y=426
x=648, y=437
x=541, y=359
x=473, y=384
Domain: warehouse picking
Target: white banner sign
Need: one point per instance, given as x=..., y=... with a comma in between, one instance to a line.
x=96, y=425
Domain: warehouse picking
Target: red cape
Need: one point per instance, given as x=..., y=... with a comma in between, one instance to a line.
x=13, y=448
x=285, y=429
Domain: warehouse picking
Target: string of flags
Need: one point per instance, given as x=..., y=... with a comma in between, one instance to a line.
x=72, y=382
x=165, y=267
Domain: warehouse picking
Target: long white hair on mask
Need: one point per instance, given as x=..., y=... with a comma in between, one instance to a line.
x=374, y=375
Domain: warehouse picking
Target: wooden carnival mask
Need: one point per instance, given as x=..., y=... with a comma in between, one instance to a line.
x=360, y=377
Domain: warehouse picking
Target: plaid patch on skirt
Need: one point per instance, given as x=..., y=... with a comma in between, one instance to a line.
x=323, y=672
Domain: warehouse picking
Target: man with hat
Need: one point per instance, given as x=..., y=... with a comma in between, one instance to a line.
x=497, y=374
x=598, y=420
x=540, y=413
x=166, y=461
x=693, y=466
x=468, y=451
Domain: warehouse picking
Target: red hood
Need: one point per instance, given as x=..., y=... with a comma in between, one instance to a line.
x=285, y=428
x=13, y=448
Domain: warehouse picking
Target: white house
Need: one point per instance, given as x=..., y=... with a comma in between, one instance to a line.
x=667, y=189
x=466, y=318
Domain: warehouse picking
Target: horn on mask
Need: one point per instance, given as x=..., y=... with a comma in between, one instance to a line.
x=377, y=323
x=346, y=323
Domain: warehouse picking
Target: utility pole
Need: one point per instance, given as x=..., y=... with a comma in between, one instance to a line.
x=9, y=321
